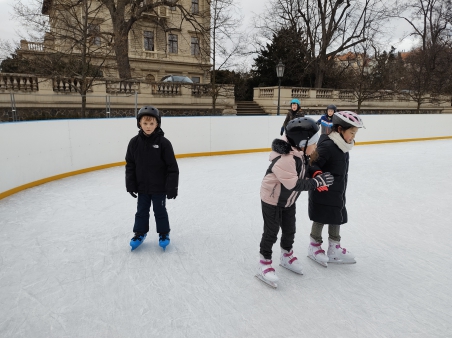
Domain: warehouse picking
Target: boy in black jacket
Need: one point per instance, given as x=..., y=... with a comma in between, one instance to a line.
x=152, y=174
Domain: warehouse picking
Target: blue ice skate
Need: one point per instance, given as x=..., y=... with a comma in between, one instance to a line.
x=136, y=241
x=164, y=240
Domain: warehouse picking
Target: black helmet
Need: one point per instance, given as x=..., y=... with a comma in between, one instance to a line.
x=301, y=129
x=331, y=106
x=148, y=111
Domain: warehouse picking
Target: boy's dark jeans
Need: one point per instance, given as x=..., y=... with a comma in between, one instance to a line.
x=275, y=217
x=158, y=202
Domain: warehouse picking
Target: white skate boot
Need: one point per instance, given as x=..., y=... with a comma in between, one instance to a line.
x=316, y=253
x=266, y=273
x=289, y=261
x=336, y=254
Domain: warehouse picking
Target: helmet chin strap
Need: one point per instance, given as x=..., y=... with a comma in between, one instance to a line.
x=304, y=152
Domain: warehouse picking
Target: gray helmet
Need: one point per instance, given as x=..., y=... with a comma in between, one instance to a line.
x=299, y=129
x=331, y=106
x=148, y=111
x=347, y=119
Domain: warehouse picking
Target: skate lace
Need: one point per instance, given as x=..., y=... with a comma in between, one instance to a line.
x=268, y=269
x=317, y=245
x=344, y=250
x=138, y=237
x=292, y=259
x=163, y=237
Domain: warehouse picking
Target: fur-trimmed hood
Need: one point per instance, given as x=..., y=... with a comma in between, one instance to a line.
x=281, y=146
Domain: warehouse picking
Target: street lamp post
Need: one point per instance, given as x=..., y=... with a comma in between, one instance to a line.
x=279, y=73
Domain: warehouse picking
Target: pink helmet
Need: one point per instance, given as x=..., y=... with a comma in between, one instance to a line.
x=347, y=119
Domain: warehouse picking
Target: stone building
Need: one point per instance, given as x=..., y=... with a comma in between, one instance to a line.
x=163, y=41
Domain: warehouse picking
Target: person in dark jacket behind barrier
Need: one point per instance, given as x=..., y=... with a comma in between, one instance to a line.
x=286, y=177
x=293, y=113
x=327, y=204
x=152, y=175
x=326, y=121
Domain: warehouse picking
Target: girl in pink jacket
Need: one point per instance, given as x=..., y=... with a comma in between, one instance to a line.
x=285, y=178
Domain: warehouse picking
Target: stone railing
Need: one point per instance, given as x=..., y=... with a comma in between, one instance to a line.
x=346, y=95
x=266, y=92
x=315, y=100
x=34, y=46
x=166, y=88
x=122, y=87
x=20, y=93
x=19, y=82
x=67, y=85
x=324, y=93
x=300, y=92
x=201, y=90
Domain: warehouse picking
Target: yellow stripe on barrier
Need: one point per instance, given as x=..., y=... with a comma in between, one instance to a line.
x=226, y=152
x=404, y=140
x=57, y=177
x=214, y=153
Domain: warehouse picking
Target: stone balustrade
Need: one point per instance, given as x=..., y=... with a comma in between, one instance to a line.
x=18, y=82
x=300, y=92
x=202, y=90
x=315, y=100
x=28, y=97
x=167, y=88
x=67, y=85
x=122, y=87
x=33, y=46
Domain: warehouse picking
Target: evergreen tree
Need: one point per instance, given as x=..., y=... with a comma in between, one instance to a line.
x=285, y=46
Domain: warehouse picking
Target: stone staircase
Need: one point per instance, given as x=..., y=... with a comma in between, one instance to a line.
x=248, y=108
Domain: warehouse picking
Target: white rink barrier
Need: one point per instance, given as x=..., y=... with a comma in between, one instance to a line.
x=37, y=152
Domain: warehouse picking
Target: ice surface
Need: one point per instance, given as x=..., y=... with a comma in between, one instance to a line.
x=66, y=269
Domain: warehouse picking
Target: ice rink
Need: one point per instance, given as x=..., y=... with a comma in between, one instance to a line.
x=66, y=269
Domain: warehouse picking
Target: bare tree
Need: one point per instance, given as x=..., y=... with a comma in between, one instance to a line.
x=74, y=49
x=428, y=65
x=223, y=42
x=358, y=77
x=326, y=27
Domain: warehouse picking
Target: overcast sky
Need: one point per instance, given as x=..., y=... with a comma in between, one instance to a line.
x=9, y=28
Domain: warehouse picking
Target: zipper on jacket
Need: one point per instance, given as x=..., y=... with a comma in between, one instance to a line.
x=273, y=191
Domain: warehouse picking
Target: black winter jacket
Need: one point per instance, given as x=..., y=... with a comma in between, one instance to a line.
x=291, y=115
x=328, y=207
x=151, y=166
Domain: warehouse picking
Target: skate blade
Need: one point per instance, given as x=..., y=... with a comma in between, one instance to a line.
x=324, y=264
x=285, y=267
x=271, y=284
x=341, y=262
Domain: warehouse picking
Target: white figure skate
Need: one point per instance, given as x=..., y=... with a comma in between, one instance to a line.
x=290, y=262
x=317, y=254
x=337, y=254
x=266, y=273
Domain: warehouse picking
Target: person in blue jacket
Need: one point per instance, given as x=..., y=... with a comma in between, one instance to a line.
x=326, y=121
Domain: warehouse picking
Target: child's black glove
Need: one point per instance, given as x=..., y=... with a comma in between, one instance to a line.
x=322, y=180
x=282, y=130
x=321, y=188
x=133, y=194
x=171, y=194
